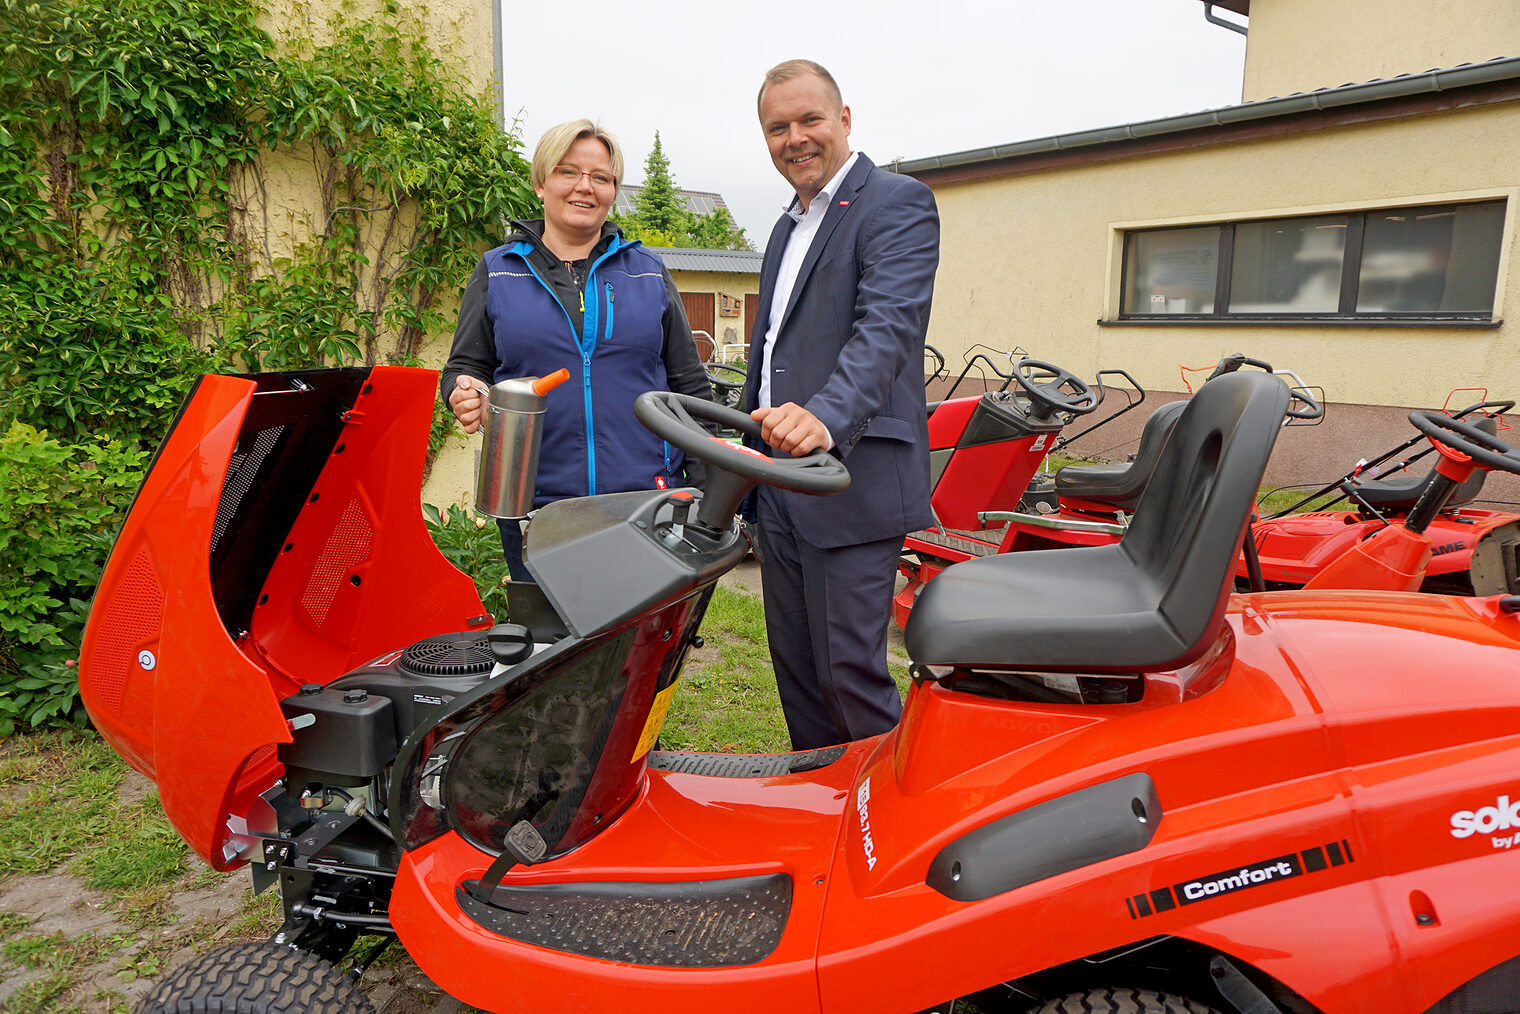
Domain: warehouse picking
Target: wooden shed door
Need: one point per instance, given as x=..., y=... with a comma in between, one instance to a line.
x=699, y=310
x=751, y=307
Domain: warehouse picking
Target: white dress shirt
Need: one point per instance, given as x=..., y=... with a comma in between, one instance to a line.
x=797, y=245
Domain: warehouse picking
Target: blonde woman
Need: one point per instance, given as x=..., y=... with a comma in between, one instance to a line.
x=568, y=291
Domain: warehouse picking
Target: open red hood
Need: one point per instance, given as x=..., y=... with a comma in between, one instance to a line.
x=277, y=540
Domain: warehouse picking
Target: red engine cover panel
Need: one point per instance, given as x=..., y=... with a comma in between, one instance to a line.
x=160, y=676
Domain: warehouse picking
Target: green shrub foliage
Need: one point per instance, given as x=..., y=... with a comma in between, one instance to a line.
x=59, y=507
x=473, y=545
x=137, y=250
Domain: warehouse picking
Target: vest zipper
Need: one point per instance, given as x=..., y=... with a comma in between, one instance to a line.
x=588, y=346
x=585, y=375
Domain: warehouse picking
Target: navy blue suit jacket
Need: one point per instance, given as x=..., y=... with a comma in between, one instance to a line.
x=851, y=350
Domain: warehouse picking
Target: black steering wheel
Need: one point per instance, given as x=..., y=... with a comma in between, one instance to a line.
x=1043, y=383
x=1307, y=408
x=1484, y=448
x=732, y=470
x=727, y=390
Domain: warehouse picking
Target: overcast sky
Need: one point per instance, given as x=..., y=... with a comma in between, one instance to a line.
x=920, y=78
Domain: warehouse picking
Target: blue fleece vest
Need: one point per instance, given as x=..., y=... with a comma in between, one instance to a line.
x=592, y=442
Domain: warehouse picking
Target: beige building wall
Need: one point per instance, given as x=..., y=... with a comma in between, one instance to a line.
x=458, y=29
x=1302, y=45
x=734, y=285
x=1034, y=260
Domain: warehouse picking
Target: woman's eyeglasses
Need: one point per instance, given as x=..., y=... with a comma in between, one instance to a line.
x=573, y=176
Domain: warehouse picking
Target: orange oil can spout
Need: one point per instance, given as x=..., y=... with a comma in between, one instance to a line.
x=543, y=385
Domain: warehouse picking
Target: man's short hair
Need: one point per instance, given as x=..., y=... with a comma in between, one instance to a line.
x=558, y=139
x=788, y=69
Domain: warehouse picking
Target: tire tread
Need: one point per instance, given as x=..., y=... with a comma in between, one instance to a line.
x=256, y=978
x=1122, y=1000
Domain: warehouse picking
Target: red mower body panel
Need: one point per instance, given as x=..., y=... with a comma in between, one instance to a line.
x=175, y=681
x=1295, y=548
x=682, y=828
x=983, y=452
x=1310, y=782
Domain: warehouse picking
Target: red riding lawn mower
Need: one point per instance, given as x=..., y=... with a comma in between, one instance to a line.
x=1453, y=548
x=1116, y=785
x=984, y=455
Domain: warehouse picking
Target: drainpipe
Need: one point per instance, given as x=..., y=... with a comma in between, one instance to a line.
x=1215, y=19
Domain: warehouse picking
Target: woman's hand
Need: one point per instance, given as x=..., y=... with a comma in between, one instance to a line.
x=467, y=402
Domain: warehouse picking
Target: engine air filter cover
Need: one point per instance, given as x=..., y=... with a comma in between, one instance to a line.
x=447, y=655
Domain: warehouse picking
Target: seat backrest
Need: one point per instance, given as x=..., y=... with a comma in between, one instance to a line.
x=1122, y=486
x=1189, y=524
x=1153, y=601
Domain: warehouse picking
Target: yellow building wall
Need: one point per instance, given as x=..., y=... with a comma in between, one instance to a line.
x=1034, y=260
x=738, y=286
x=1304, y=45
x=462, y=30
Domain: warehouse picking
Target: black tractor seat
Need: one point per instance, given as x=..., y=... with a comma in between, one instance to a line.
x=1400, y=494
x=1121, y=485
x=1152, y=602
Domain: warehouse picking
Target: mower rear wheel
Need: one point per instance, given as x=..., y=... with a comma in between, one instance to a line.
x=262, y=978
x=1124, y=1001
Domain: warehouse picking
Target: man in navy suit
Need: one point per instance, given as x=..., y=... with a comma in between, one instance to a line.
x=836, y=363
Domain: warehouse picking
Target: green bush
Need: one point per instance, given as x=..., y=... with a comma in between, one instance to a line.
x=86, y=355
x=134, y=254
x=60, y=506
x=473, y=545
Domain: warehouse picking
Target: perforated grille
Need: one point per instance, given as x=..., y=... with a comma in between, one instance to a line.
x=705, y=924
x=258, y=757
x=136, y=616
x=347, y=546
x=241, y=472
x=448, y=655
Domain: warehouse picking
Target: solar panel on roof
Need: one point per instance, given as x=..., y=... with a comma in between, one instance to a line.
x=698, y=202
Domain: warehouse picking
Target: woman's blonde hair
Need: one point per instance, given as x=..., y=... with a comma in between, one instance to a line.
x=557, y=140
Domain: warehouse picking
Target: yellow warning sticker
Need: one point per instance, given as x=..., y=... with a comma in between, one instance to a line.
x=655, y=720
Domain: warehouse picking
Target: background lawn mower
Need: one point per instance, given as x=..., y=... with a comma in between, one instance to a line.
x=1115, y=787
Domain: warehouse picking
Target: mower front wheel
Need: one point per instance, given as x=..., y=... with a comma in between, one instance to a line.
x=1124, y=1001
x=262, y=978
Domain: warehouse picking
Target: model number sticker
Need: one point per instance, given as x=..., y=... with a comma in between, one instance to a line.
x=1240, y=878
x=862, y=797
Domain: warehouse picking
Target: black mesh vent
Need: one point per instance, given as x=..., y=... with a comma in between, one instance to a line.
x=466, y=654
x=242, y=470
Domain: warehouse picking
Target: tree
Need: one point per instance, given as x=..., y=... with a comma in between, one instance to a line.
x=717, y=230
x=660, y=206
x=661, y=217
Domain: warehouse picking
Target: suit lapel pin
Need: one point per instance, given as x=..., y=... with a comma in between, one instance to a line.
x=844, y=204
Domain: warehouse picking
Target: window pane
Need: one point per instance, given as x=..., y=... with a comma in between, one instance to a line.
x=1172, y=271
x=1424, y=260
x=1291, y=265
